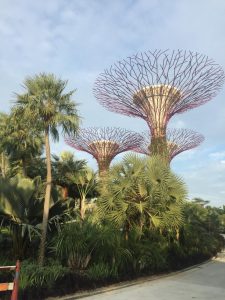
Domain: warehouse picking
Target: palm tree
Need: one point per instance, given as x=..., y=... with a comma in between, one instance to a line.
x=21, y=203
x=85, y=181
x=63, y=167
x=19, y=211
x=142, y=193
x=4, y=158
x=46, y=105
x=22, y=141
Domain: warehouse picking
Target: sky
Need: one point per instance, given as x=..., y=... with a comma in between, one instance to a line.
x=77, y=40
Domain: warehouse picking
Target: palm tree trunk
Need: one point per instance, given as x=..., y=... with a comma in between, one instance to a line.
x=127, y=229
x=65, y=192
x=47, y=199
x=24, y=171
x=3, y=165
x=82, y=207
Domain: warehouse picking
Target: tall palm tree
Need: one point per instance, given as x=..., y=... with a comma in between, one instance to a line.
x=48, y=106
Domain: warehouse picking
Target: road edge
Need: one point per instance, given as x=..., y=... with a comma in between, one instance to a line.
x=124, y=284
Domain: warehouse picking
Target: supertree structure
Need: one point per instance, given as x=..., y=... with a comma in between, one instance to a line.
x=104, y=143
x=156, y=85
x=177, y=141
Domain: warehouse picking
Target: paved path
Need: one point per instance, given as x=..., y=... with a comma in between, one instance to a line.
x=204, y=282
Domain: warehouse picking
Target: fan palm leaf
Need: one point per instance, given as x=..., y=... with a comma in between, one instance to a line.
x=142, y=191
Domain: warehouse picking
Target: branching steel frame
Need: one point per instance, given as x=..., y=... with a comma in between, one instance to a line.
x=177, y=141
x=104, y=143
x=155, y=85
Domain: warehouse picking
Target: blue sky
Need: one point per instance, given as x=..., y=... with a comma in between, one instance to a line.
x=78, y=39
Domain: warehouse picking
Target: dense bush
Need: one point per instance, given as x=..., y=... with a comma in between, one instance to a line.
x=141, y=224
x=91, y=255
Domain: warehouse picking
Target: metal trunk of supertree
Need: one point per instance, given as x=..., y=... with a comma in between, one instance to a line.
x=104, y=143
x=156, y=85
x=177, y=141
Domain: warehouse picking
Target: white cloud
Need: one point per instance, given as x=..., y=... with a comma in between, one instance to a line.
x=217, y=155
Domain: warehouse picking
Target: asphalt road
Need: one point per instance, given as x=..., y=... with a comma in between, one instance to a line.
x=204, y=282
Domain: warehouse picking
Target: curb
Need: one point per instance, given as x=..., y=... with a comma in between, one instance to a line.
x=125, y=284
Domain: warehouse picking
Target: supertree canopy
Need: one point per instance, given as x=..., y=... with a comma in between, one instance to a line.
x=156, y=85
x=177, y=141
x=104, y=143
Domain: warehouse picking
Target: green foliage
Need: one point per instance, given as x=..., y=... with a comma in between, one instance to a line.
x=20, y=140
x=101, y=253
x=222, y=222
x=4, y=165
x=74, y=244
x=140, y=192
x=199, y=236
x=80, y=245
x=100, y=271
x=64, y=166
x=111, y=247
x=149, y=253
x=32, y=275
x=21, y=206
x=85, y=182
x=19, y=211
x=45, y=103
x=141, y=223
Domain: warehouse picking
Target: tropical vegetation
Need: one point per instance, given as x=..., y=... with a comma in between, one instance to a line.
x=72, y=229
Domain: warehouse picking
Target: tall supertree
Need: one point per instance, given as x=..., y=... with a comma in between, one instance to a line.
x=156, y=85
x=104, y=143
x=177, y=141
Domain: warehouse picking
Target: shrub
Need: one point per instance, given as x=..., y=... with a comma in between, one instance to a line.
x=32, y=275
x=100, y=271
